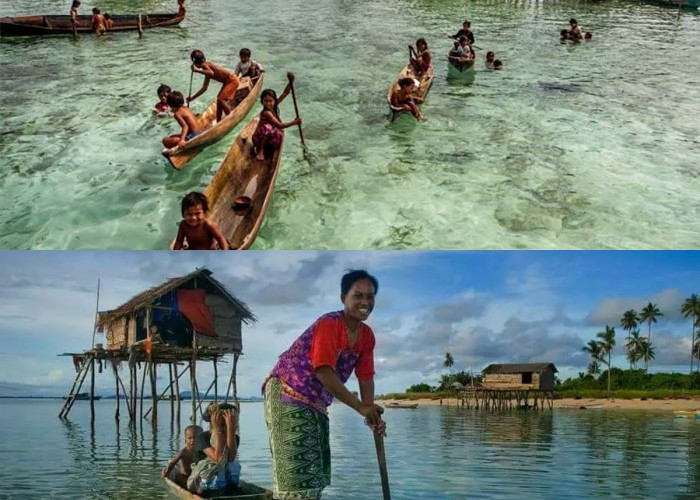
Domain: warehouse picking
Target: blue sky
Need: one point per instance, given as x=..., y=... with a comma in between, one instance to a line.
x=484, y=307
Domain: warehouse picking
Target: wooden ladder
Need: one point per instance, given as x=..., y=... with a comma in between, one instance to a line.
x=77, y=384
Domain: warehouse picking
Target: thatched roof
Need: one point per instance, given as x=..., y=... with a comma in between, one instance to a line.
x=148, y=297
x=518, y=368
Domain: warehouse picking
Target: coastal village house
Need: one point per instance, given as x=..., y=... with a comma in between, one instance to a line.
x=519, y=376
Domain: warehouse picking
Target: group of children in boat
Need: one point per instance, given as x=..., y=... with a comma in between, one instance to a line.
x=208, y=460
x=101, y=23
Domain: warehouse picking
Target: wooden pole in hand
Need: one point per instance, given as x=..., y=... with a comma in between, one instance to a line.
x=379, y=445
x=290, y=77
x=189, y=94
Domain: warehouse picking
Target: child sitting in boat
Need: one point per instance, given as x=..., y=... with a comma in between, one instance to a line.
x=216, y=450
x=97, y=23
x=422, y=62
x=465, y=50
x=247, y=66
x=200, y=232
x=185, y=117
x=162, y=106
x=490, y=57
x=109, y=22
x=179, y=467
x=229, y=82
x=268, y=134
x=402, y=98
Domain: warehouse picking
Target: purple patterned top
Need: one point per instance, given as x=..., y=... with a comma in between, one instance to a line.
x=323, y=343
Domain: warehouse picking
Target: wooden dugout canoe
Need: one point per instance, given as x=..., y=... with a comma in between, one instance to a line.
x=247, y=94
x=460, y=63
x=406, y=406
x=240, y=174
x=426, y=80
x=245, y=490
x=39, y=25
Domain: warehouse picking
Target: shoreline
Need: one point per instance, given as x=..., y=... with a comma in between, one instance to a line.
x=671, y=404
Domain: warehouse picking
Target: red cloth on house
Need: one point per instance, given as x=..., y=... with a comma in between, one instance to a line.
x=191, y=304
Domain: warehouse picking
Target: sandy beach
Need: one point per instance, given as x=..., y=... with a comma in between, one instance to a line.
x=623, y=404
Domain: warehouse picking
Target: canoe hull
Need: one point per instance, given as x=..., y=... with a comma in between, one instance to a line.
x=40, y=25
x=247, y=491
x=240, y=174
x=426, y=81
x=179, y=156
x=459, y=65
x=689, y=4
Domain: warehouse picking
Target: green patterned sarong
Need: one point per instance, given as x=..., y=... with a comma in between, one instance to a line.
x=301, y=454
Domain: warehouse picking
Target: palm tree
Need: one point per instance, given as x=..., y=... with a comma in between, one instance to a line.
x=594, y=349
x=607, y=343
x=648, y=315
x=646, y=352
x=629, y=322
x=691, y=307
x=449, y=361
x=634, y=347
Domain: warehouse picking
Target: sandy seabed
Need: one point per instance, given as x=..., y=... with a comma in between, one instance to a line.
x=623, y=404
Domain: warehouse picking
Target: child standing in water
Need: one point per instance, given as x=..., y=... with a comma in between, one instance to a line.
x=109, y=23
x=179, y=467
x=185, y=117
x=74, y=14
x=490, y=57
x=402, y=98
x=97, y=23
x=268, y=134
x=162, y=106
x=229, y=82
x=200, y=232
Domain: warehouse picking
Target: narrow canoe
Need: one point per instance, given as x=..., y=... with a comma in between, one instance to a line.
x=38, y=25
x=245, y=490
x=407, y=406
x=426, y=80
x=460, y=64
x=246, y=96
x=690, y=4
x=240, y=174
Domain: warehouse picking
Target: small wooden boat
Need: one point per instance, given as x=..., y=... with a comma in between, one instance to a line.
x=39, y=25
x=245, y=490
x=425, y=80
x=407, y=406
x=245, y=98
x=689, y=4
x=241, y=175
x=460, y=64
x=687, y=414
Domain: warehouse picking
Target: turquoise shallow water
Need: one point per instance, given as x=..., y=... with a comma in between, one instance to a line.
x=432, y=452
x=592, y=145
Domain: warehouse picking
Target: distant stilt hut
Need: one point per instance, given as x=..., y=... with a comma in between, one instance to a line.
x=184, y=320
x=505, y=386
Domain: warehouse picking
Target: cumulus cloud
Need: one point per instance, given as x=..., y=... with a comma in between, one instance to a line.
x=611, y=309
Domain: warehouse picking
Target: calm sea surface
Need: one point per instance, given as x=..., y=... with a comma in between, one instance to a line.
x=592, y=145
x=432, y=453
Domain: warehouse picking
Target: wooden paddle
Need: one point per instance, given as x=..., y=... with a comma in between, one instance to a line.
x=189, y=94
x=307, y=157
x=379, y=445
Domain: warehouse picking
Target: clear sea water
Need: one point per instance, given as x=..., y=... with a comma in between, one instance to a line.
x=589, y=145
x=431, y=452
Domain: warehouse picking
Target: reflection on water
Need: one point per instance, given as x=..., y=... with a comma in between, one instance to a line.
x=432, y=453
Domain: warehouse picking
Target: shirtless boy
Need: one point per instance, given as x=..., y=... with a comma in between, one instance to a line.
x=201, y=233
x=401, y=98
x=185, y=117
x=229, y=82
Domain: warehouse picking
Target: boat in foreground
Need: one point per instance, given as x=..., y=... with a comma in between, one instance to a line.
x=245, y=98
x=425, y=81
x=242, y=177
x=460, y=64
x=243, y=491
x=39, y=25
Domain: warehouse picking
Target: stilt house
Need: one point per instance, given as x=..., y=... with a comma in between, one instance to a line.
x=519, y=376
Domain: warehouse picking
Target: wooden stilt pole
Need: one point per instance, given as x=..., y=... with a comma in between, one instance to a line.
x=216, y=383
x=154, y=394
x=235, y=386
x=143, y=382
x=163, y=393
x=116, y=390
x=92, y=388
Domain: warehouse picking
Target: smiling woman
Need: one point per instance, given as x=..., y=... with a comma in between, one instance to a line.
x=304, y=381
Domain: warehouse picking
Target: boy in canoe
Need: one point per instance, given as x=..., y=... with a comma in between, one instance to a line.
x=423, y=60
x=465, y=31
x=109, y=22
x=402, y=98
x=179, y=467
x=200, y=232
x=185, y=117
x=229, y=82
x=181, y=11
x=247, y=66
